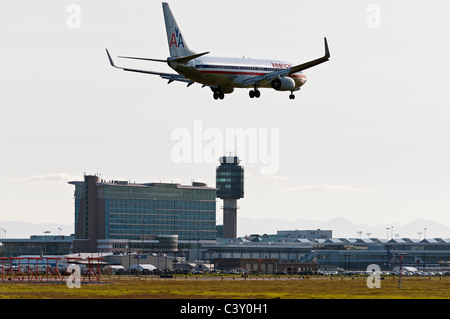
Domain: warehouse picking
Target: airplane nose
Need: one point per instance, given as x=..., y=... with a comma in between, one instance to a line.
x=303, y=78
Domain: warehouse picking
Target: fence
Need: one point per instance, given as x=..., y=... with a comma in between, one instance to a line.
x=49, y=269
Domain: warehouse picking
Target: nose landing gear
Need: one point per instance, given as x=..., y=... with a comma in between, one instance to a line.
x=292, y=96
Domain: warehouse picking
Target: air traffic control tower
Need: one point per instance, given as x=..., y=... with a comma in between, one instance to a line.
x=230, y=187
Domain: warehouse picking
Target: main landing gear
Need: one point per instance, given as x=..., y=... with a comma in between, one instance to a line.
x=218, y=95
x=254, y=93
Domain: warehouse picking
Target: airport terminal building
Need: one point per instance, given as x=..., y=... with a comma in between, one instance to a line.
x=333, y=253
x=120, y=216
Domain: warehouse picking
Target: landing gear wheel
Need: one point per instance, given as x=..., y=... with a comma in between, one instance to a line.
x=254, y=93
x=292, y=97
x=218, y=95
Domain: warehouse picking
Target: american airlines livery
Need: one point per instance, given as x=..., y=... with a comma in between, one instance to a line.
x=222, y=75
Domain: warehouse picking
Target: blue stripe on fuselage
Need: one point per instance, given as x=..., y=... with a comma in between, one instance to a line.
x=236, y=67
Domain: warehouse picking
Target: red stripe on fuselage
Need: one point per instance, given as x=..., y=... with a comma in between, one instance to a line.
x=248, y=73
x=231, y=72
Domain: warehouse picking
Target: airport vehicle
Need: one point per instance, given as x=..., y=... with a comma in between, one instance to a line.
x=223, y=75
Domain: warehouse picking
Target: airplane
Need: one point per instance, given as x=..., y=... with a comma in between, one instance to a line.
x=223, y=75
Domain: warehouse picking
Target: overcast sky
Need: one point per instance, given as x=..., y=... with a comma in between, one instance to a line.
x=367, y=138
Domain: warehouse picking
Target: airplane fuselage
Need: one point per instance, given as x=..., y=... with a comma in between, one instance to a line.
x=229, y=73
x=223, y=75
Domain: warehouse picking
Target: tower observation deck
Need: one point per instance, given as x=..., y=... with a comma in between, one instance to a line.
x=230, y=187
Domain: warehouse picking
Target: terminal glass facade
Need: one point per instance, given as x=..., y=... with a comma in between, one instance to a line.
x=141, y=211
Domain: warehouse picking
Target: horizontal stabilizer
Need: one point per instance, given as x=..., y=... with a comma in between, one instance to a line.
x=167, y=76
x=182, y=60
x=188, y=58
x=145, y=59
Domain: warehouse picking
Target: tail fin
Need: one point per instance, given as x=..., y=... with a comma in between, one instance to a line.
x=391, y=258
x=177, y=45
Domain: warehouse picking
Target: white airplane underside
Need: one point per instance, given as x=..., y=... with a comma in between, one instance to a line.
x=223, y=75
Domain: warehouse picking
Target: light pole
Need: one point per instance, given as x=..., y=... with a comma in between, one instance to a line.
x=141, y=219
x=317, y=252
x=46, y=241
x=401, y=270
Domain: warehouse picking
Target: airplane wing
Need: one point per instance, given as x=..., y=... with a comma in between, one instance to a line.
x=265, y=77
x=167, y=76
x=273, y=75
x=310, y=64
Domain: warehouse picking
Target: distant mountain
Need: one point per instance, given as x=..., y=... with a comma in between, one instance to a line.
x=341, y=227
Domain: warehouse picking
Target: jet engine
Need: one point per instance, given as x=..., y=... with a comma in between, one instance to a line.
x=283, y=84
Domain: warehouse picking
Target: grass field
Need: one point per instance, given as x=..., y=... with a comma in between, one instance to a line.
x=233, y=288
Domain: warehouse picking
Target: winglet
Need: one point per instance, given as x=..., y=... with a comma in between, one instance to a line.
x=327, y=51
x=110, y=59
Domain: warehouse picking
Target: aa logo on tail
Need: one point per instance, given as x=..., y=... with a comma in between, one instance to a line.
x=176, y=39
